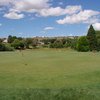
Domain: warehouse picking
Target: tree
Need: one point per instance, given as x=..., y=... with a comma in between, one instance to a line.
x=98, y=44
x=82, y=44
x=11, y=38
x=98, y=40
x=28, y=42
x=64, y=41
x=71, y=42
x=4, y=47
x=1, y=40
x=34, y=43
x=17, y=44
x=52, y=40
x=22, y=44
x=57, y=44
x=91, y=36
x=45, y=41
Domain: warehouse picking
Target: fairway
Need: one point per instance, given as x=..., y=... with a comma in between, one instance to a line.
x=49, y=69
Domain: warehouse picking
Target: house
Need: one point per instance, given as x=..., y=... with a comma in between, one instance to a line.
x=5, y=40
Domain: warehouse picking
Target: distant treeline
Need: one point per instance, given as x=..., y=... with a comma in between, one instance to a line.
x=91, y=42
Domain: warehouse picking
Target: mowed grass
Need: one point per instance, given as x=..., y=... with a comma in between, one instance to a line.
x=50, y=70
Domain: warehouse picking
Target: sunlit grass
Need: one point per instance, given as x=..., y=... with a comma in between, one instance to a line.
x=50, y=69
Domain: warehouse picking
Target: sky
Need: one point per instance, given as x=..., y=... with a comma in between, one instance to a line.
x=49, y=18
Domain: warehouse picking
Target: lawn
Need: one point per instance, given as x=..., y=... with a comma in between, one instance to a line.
x=45, y=71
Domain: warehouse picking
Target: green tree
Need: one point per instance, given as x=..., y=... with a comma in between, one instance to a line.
x=4, y=47
x=57, y=44
x=71, y=43
x=98, y=44
x=34, y=43
x=64, y=41
x=28, y=42
x=22, y=44
x=98, y=39
x=91, y=36
x=1, y=40
x=52, y=40
x=82, y=44
x=17, y=44
x=11, y=38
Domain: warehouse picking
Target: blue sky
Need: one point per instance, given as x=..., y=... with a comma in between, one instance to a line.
x=28, y=18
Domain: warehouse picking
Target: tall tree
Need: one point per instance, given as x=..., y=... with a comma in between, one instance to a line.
x=11, y=38
x=91, y=36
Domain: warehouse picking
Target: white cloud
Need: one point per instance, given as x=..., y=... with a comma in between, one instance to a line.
x=39, y=7
x=30, y=5
x=13, y=15
x=96, y=26
x=51, y=11
x=74, y=14
x=19, y=6
x=5, y=2
x=72, y=9
x=92, y=20
x=86, y=16
x=58, y=11
x=48, y=28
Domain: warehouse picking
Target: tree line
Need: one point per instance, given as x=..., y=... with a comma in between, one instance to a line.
x=91, y=42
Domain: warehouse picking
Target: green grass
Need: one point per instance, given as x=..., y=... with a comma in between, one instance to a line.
x=36, y=71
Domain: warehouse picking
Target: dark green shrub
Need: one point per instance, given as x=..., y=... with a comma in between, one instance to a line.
x=17, y=44
x=4, y=47
x=82, y=44
x=56, y=44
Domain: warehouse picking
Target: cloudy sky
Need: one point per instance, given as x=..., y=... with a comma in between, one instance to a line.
x=28, y=18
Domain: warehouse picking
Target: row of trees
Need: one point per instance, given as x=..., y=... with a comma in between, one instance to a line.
x=91, y=42
x=21, y=43
x=61, y=43
x=18, y=43
x=29, y=43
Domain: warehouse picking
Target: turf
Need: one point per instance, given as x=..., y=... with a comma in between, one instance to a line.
x=50, y=69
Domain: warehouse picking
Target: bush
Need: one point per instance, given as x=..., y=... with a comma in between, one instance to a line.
x=9, y=48
x=17, y=44
x=4, y=47
x=82, y=44
x=71, y=43
x=56, y=44
x=98, y=45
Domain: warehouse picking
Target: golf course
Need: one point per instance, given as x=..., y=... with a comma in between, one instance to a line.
x=57, y=74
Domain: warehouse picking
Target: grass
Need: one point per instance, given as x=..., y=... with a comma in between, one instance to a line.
x=51, y=74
